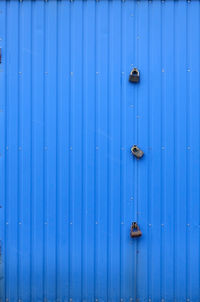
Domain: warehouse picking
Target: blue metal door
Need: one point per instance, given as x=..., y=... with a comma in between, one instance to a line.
x=70, y=187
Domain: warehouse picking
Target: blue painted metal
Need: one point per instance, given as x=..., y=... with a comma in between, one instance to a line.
x=69, y=186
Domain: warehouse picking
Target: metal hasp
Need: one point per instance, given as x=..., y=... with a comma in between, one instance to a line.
x=135, y=230
x=137, y=152
x=134, y=76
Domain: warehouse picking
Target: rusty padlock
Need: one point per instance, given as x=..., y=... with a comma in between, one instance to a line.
x=135, y=230
x=134, y=76
x=137, y=152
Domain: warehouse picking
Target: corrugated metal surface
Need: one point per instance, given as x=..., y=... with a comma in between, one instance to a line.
x=69, y=186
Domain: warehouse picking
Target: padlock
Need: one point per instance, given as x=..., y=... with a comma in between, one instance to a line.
x=137, y=152
x=135, y=230
x=134, y=76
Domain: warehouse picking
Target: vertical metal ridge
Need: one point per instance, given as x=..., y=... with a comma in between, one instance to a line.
x=199, y=152
x=5, y=148
x=31, y=155
x=175, y=153
x=69, y=146
x=44, y=154
x=161, y=157
x=149, y=163
x=18, y=158
x=83, y=151
x=108, y=156
x=187, y=296
x=57, y=200
x=122, y=197
x=95, y=155
x=149, y=166
x=3, y=102
x=136, y=141
x=59, y=155
x=121, y=153
x=174, y=149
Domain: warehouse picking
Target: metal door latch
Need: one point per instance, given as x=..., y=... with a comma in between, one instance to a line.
x=135, y=230
x=137, y=152
x=134, y=76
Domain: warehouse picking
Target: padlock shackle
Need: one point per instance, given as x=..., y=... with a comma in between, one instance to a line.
x=135, y=71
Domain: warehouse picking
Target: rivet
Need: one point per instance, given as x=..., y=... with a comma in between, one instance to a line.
x=70, y=148
x=71, y=73
x=188, y=70
x=45, y=148
x=70, y=299
x=188, y=224
x=162, y=147
x=122, y=148
x=46, y=72
x=70, y=222
x=122, y=222
x=189, y=147
x=1, y=39
x=97, y=72
x=132, y=15
x=131, y=197
x=20, y=72
x=97, y=148
x=20, y=223
x=138, y=37
x=123, y=72
x=150, y=224
x=7, y=148
x=96, y=222
x=20, y=148
x=6, y=223
x=131, y=105
x=45, y=222
x=137, y=116
x=162, y=224
x=163, y=70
